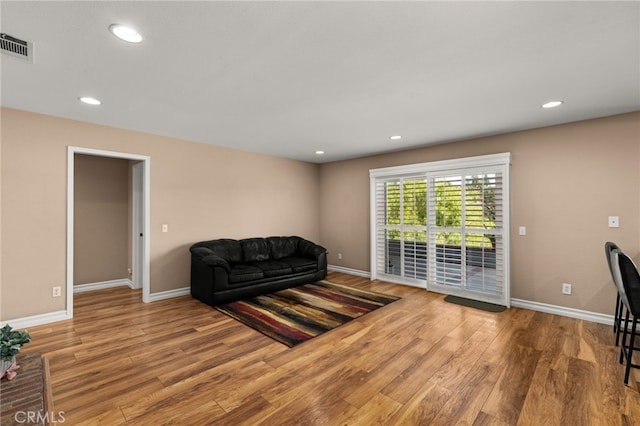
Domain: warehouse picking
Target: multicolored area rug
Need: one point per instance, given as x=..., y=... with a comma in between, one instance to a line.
x=295, y=315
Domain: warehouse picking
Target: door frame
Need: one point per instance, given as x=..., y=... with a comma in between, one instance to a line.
x=145, y=215
x=137, y=224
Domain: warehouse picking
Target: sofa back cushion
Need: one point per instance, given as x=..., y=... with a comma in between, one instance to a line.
x=229, y=250
x=255, y=249
x=282, y=247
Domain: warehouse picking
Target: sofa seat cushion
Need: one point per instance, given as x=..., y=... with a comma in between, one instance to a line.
x=301, y=264
x=273, y=268
x=242, y=273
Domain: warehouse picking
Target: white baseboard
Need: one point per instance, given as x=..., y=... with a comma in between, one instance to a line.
x=184, y=291
x=81, y=288
x=41, y=319
x=32, y=321
x=349, y=271
x=563, y=311
x=21, y=323
x=517, y=303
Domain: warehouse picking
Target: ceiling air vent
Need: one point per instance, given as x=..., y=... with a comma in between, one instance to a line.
x=15, y=47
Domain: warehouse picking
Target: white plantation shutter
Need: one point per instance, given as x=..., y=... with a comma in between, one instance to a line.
x=400, y=223
x=383, y=251
x=444, y=226
x=467, y=233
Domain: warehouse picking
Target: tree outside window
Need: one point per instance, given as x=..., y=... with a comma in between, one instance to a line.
x=479, y=208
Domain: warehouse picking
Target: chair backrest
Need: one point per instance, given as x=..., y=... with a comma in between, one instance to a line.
x=630, y=281
x=614, y=264
x=608, y=248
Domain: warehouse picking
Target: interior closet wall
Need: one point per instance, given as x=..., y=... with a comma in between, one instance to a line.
x=102, y=216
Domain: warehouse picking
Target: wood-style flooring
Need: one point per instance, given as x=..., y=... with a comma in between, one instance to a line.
x=417, y=361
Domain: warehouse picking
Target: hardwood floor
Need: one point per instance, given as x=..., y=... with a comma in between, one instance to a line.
x=417, y=361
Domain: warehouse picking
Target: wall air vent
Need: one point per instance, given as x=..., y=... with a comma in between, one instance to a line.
x=15, y=47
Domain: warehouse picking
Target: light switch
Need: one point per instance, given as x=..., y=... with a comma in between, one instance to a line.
x=165, y=227
x=522, y=230
x=614, y=222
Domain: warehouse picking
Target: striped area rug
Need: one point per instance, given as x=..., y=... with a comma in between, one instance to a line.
x=295, y=315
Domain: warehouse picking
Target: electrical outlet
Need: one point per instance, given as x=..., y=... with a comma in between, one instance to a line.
x=339, y=256
x=165, y=227
x=56, y=291
x=566, y=288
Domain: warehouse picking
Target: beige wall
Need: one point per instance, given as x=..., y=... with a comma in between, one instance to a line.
x=102, y=216
x=200, y=191
x=565, y=181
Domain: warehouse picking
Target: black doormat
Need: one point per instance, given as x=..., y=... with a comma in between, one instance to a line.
x=490, y=307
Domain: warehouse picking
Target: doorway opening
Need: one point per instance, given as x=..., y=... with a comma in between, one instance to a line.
x=140, y=174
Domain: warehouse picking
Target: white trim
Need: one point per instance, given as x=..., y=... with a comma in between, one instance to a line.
x=457, y=163
x=515, y=303
x=373, y=255
x=408, y=283
x=349, y=271
x=70, y=228
x=169, y=294
x=137, y=222
x=81, y=288
x=396, y=279
x=506, y=230
x=563, y=311
x=71, y=151
x=34, y=320
x=146, y=212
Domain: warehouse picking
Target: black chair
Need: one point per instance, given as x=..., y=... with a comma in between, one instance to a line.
x=631, y=298
x=617, y=320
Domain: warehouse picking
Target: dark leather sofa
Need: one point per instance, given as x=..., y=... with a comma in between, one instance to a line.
x=226, y=270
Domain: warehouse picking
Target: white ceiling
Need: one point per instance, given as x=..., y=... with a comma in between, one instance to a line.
x=290, y=78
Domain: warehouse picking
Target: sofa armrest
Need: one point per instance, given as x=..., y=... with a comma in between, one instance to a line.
x=215, y=260
x=312, y=250
x=208, y=257
x=200, y=252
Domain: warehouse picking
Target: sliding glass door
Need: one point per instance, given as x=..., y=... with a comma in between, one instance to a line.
x=444, y=228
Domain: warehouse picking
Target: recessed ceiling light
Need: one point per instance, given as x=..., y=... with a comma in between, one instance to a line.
x=395, y=138
x=552, y=104
x=125, y=33
x=89, y=100
x=319, y=152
